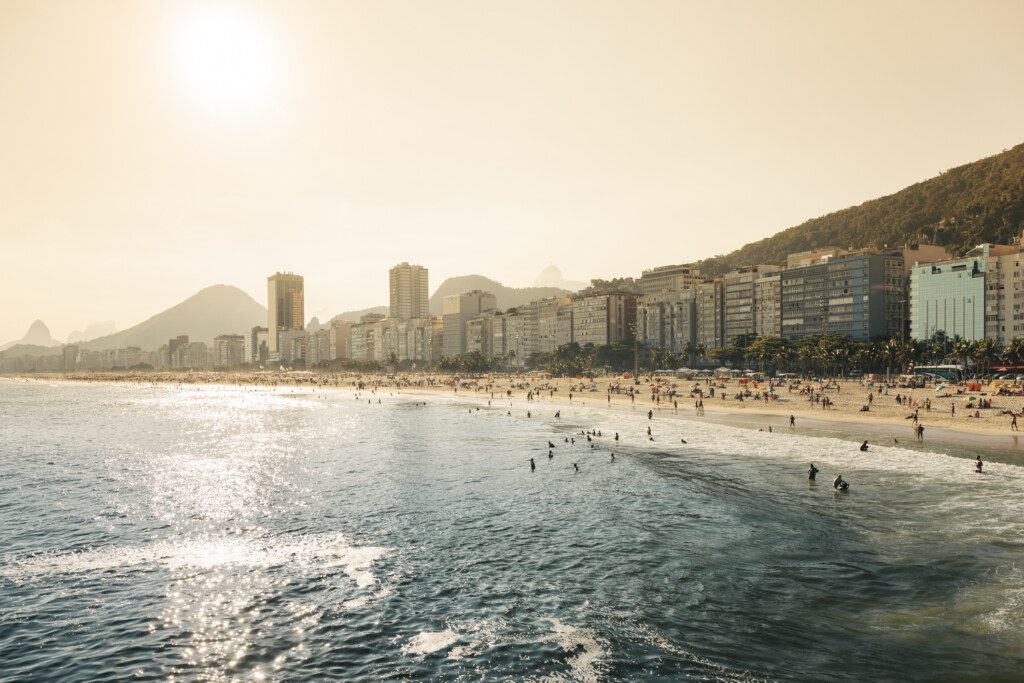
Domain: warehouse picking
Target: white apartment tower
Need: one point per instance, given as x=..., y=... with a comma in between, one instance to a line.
x=409, y=292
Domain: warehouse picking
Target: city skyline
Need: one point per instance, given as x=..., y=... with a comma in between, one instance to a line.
x=240, y=139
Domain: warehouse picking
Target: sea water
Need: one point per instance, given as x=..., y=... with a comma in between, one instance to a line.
x=227, y=533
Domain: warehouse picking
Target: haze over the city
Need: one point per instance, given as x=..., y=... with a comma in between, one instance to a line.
x=148, y=150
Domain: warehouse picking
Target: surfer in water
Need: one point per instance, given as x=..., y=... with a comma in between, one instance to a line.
x=812, y=472
x=838, y=484
x=864, y=447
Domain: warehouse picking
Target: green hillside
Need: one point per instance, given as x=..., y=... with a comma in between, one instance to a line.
x=979, y=202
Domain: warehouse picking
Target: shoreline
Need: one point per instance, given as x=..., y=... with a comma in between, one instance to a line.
x=879, y=429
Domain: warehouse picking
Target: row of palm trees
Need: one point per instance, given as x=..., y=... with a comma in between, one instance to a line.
x=831, y=353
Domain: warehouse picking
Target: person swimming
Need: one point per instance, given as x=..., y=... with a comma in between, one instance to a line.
x=864, y=446
x=577, y=467
x=812, y=472
x=838, y=484
x=613, y=457
x=682, y=440
x=550, y=445
x=616, y=436
x=551, y=454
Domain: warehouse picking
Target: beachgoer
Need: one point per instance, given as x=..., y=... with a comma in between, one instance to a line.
x=812, y=471
x=792, y=421
x=978, y=465
x=577, y=467
x=864, y=447
x=533, y=465
x=838, y=483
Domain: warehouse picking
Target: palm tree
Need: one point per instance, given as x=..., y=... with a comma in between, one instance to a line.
x=962, y=349
x=1013, y=354
x=701, y=350
x=890, y=351
x=985, y=351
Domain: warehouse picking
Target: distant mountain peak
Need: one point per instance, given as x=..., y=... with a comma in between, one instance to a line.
x=507, y=297
x=214, y=310
x=552, y=277
x=38, y=334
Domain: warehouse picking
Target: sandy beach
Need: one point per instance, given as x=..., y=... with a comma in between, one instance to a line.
x=889, y=406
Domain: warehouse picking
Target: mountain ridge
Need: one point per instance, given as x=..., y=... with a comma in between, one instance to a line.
x=213, y=310
x=981, y=201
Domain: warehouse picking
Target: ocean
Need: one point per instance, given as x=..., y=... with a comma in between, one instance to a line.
x=222, y=533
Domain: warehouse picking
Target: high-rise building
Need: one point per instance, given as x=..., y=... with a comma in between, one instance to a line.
x=257, y=345
x=601, y=319
x=768, y=305
x=741, y=300
x=285, y=308
x=669, y=279
x=711, y=314
x=668, y=320
x=409, y=291
x=228, y=350
x=949, y=297
x=458, y=310
x=856, y=294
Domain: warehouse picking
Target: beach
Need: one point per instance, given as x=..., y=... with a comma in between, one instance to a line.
x=942, y=412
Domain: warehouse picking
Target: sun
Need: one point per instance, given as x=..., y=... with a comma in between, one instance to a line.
x=224, y=60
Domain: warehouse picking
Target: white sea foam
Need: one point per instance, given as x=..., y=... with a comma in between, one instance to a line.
x=582, y=666
x=425, y=642
x=308, y=552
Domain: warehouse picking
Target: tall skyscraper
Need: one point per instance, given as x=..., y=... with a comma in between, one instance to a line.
x=285, y=307
x=409, y=291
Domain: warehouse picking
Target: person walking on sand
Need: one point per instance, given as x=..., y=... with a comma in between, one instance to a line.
x=792, y=421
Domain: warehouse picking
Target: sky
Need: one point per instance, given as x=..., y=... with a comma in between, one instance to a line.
x=150, y=149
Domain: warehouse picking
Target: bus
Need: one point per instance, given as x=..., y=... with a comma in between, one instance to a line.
x=950, y=373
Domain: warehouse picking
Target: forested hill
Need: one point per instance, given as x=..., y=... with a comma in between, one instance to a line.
x=979, y=202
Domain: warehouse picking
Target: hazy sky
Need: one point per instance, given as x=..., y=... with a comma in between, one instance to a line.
x=150, y=149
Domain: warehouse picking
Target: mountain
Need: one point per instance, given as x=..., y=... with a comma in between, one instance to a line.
x=38, y=335
x=979, y=202
x=99, y=329
x=355, y=315
x=220, y=309
x=552, y=277
x=508, y=297
x=30, y=350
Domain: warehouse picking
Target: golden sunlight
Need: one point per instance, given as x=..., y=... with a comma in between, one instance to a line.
x=223, y=58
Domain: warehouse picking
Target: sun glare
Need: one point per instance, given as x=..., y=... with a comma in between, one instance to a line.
x=224, y=60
